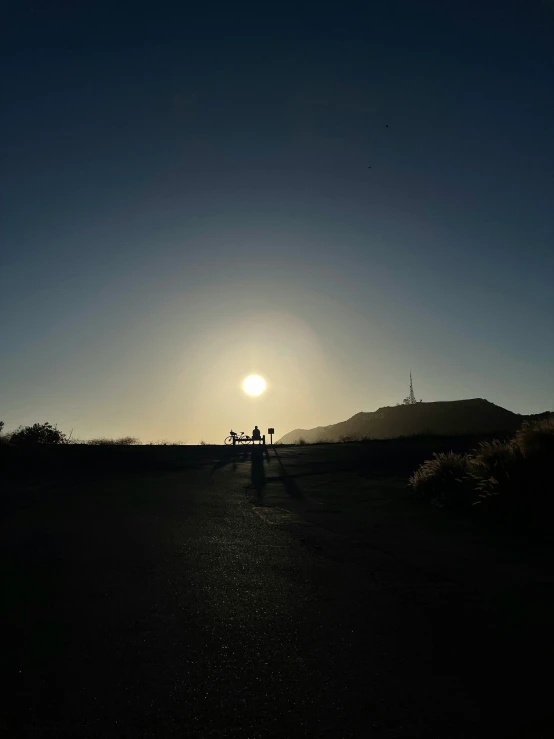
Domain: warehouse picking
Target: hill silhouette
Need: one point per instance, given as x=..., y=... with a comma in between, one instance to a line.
x=475, y=416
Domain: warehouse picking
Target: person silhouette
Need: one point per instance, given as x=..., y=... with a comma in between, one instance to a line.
x=256, y=435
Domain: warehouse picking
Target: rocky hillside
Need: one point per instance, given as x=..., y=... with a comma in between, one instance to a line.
x=475, y=416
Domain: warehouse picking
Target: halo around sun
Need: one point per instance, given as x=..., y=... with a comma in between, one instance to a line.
x=253, y=385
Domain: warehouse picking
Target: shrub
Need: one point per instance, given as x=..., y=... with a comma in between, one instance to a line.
x=536, y=439
x=516, y=476
x=123, y=441
x=4, y=438
x=301, y=441
x=164, y=442
x=495, y=456
x=444, y=480
x=38, y=433
x=512, y=478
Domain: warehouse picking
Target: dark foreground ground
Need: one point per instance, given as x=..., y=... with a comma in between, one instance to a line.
x=297, y=593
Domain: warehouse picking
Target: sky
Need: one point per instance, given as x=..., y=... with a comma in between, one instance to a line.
x=326, y=194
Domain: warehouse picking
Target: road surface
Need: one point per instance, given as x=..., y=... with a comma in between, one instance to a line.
x=224, y=601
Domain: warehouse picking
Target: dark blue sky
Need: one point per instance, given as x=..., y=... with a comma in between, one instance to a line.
x=168, y=171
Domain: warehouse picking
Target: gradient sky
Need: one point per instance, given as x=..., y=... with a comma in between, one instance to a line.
x=185, y=199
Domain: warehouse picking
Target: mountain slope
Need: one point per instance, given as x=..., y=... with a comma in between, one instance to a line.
x=475, y=416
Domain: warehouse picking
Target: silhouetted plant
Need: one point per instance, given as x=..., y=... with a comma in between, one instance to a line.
x=515, y=476
x=536, y=438
x=444, y=480
x=301, y=441
x=123, y=441
x=38, y=433
x=495, y=455
x=164, y=442
x=348, y=438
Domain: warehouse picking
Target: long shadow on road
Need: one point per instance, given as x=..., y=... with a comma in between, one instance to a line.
x=259, y=456
x=240, y=454
x=257, y=473
x=290, y=486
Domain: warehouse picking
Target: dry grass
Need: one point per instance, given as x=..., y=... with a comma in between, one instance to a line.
x=514, y=477
x=165, y=442
x=444, y=480
x=536, y=439
x=123, y=441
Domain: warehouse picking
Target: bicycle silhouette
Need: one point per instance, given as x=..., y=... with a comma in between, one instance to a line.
x=235, y=438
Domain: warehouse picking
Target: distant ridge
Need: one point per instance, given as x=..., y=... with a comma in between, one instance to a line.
x=451, y=417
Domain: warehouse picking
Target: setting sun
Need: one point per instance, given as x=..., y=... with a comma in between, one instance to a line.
x=253, y=385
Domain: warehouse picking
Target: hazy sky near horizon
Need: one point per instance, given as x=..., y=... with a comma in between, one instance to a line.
x=185, y=199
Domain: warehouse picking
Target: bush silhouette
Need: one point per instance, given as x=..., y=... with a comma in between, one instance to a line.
x=4, y=438
x=511, y=477
x=444, y=480
x=123, y=441
x=536, y=439
x=515, y=476
x=38, y=433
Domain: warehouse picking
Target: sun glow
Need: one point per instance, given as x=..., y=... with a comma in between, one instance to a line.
x=253, y=385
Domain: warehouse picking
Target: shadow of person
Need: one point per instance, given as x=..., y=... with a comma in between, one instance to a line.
x=290, y=486
x=257, y=473
x=230, y=455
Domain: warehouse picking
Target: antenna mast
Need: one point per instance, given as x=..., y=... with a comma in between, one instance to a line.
x=411, y=396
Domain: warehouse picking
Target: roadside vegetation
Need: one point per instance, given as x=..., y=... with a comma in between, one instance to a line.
x=123, y=441
x=40, y=434
x=512, y=478
x=361, y=439
x=36, y=457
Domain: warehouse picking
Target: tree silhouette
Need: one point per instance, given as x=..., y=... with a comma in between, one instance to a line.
x=38, y=433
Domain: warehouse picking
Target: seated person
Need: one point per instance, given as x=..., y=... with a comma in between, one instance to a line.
x=256, y=435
